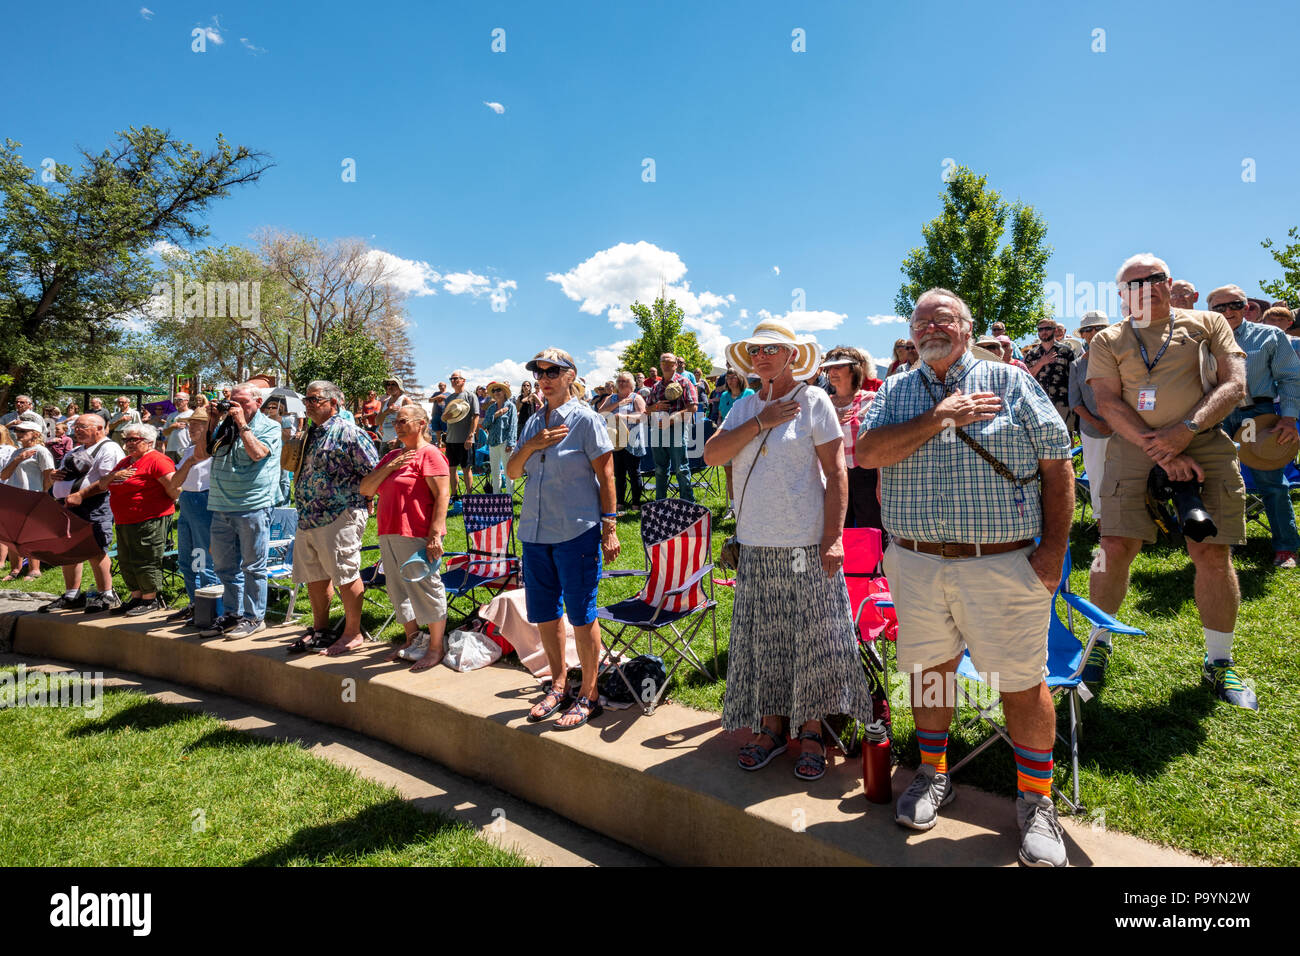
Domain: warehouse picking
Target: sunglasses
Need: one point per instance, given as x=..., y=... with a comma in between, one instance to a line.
x=1236, y=305
x=314, y=400
x=553, y=372
x=1134, y=284
x=764, y=349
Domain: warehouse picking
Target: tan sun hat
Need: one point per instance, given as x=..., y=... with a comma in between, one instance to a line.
x=1263, y=452
x=807, y=353
x=455, y=410
x=499, y=386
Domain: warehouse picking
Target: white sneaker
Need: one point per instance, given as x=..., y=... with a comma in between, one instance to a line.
x=1041, y=841
x=918, y=807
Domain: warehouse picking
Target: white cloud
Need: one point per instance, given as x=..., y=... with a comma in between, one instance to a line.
x=146, y=13
x=744, y=313
x=250, y=47
x=820, y=321
x=163, y=246
x=495, y=107
x=405, y=275
x=776, y=270
x=506, y=370
x=500, y=295
x=458, y=283
x=213, y=32
x=884, y=319
x=602, y=363
x=614, y=278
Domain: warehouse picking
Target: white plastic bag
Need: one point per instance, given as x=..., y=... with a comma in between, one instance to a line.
x=470, y=650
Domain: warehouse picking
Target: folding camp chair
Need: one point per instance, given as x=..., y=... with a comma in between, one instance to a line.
x=490, y=564
x=703, y=477
x=373, y=579
x=1066, y=656
x=677, y=597
x=1082, y=487
x=279, y=561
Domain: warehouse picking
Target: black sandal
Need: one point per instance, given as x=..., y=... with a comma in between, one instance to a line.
x=815, y=762
x=562, y=699
x=313, y=640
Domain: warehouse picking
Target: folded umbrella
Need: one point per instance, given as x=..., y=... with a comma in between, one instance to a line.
x=41, y=527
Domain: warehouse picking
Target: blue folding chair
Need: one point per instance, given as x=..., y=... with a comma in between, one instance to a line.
x=1066, y=656
x=279, y=561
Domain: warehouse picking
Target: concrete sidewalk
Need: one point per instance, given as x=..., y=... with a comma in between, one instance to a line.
x=666, y=785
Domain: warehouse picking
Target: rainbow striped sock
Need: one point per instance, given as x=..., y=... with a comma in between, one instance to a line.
x=934, y=749
x=1033, y=770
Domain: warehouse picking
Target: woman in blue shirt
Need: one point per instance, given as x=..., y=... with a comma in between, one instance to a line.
x=567, y=521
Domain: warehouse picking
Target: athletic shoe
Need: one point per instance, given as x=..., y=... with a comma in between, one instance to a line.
x=1041, y=841
x=101, y=602
x=245, y=628
x=124, y=608
x=1227, y=685
x=64, y=603
x=418, y=649
x=1094, y=671
x=1284, y=559
x=145, y=607
x=220, y=625
x=182, y=616
x=918, y=807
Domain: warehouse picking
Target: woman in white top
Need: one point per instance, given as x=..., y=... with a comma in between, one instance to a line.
x=30, y=467
x=624, y=413
x=188, y=486
x=792, y=655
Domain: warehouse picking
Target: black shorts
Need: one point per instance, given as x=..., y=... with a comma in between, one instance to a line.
x=457, y=454
x=100, y=517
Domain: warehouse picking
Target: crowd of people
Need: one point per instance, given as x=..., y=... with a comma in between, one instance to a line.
x=961, y=455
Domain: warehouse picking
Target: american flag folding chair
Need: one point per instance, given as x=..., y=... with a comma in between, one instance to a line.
x=677, y=597
x=490, y=564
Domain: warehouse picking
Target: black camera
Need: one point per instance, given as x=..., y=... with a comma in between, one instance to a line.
x=1185, y=497
x=222, y=405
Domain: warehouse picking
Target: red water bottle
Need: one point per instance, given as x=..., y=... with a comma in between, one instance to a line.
x=875, y=763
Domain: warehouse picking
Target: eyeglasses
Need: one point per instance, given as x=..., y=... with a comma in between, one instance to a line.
x=315, y=400
x=553, y=372
x=924, y=324
x=1236, y=305
x=764, y=349
x=1133, y=285
x=128, y=441
x=909, y=348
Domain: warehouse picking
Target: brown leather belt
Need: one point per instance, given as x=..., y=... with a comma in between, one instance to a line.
x=956, y=549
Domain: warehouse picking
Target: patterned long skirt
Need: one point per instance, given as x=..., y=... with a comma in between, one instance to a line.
x=792, y=650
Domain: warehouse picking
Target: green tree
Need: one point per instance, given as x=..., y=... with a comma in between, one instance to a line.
x=355, y=363
x=73, y=258
x=1288, y=257
x=963, y=251
x=661, y=331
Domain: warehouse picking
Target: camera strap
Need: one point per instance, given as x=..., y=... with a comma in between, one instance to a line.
x=90, y=461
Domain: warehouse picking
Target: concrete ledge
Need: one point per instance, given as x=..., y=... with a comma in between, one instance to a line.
x=667, y=785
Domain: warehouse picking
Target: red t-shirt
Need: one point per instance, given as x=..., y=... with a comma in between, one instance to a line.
x=405, y=501
x=369, y=410
x=141, y=497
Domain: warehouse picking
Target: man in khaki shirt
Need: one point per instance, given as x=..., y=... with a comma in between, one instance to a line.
x=1146, y=373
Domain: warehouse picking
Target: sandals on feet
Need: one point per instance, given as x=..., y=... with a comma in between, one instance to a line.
x=585, y=706
x=816, y=763
x=313, y=640
x=553, y=701
x=761, y=755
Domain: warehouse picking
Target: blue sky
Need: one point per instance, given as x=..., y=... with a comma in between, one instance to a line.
x=822, y=164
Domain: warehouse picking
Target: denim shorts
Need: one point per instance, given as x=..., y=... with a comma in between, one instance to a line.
x=570, y=569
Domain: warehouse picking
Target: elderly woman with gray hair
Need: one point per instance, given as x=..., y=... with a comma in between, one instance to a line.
x=140, y=498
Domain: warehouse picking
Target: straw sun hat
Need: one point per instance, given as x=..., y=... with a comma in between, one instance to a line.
x=807, y=353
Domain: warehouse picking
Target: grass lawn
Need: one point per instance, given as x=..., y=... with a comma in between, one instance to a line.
x=150, y=784
x=1159, y=756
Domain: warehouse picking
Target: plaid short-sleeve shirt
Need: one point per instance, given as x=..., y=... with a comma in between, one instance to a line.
x=944, y=491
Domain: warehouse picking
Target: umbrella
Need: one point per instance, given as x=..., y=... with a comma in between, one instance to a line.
x=41, y=527
x=293, y=403
x=163, y=408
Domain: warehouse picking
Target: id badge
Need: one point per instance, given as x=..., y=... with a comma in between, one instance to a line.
x=1146, y=400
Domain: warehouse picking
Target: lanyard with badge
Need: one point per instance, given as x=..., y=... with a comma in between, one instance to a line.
x=1147, y=396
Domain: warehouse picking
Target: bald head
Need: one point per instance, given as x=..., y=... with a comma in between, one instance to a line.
x=1184, y=295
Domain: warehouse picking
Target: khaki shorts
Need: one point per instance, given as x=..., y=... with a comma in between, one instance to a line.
x=1124, y=488
x=996, y=606
x=331, y=552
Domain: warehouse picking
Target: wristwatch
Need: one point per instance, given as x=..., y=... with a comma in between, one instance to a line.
x=1191, y=425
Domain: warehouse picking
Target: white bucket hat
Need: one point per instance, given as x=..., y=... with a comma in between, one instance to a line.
x=807, y=353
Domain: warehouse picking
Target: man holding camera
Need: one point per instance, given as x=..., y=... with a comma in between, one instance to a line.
x=1151, y=377
x=1272, y=372
x=244, y=486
